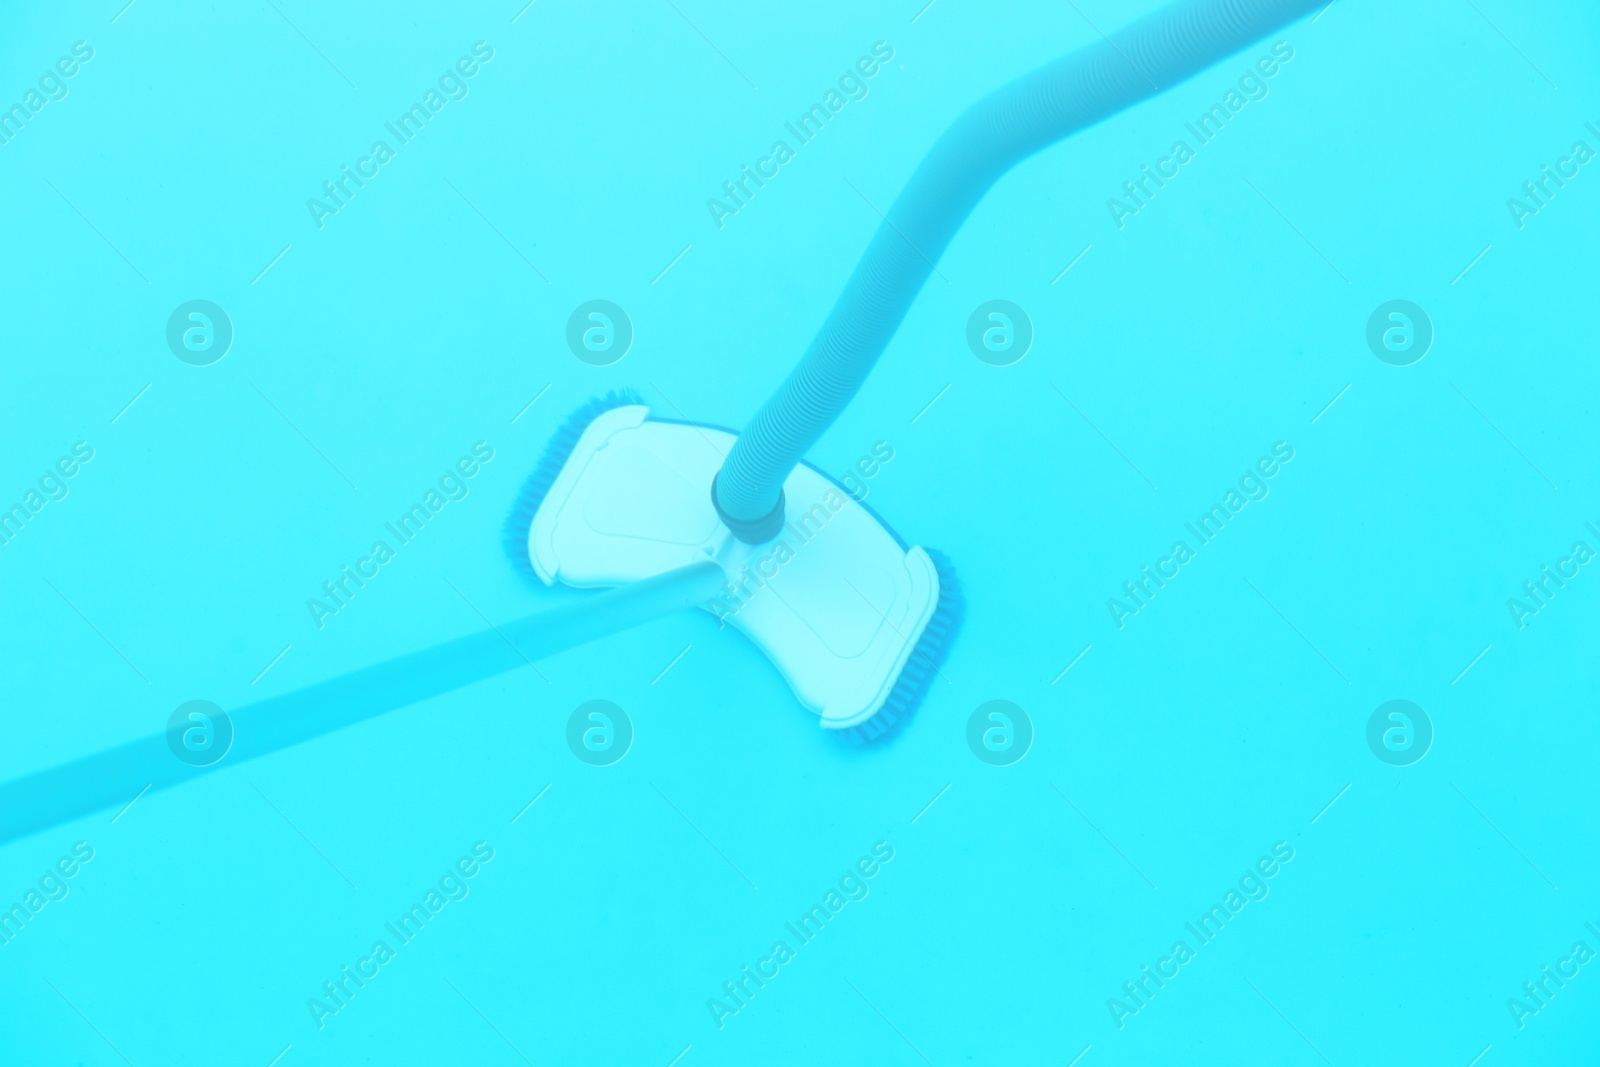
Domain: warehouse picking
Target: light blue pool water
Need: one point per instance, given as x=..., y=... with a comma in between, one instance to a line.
x=1201, y=832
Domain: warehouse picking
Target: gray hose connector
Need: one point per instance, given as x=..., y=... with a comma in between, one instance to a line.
x=1001, y=130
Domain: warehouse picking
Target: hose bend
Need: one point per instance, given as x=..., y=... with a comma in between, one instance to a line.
x=995, y=134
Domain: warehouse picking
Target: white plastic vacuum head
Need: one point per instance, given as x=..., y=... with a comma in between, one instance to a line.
x=836, y=601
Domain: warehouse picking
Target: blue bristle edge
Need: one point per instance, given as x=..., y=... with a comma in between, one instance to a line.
x=923, y=664
x=515, y=534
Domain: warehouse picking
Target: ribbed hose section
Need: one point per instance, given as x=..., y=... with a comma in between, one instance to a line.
x=1000, y=131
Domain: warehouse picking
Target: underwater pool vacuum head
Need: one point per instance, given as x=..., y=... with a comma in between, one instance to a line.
x=854, y=620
